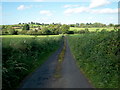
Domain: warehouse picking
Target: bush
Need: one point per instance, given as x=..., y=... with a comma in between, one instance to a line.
x=86, y=30
x=22, y=56
x=97, y=55
x=70, y=32
x=104, y=30
x=82, y=32
x=26, y=27
x=31, y=32
x=97, y=30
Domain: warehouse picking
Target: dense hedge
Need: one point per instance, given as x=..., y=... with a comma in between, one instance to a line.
x=97, y=54
x=22, y=55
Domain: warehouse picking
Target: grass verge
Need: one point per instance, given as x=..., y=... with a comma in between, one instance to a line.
x=60, y=60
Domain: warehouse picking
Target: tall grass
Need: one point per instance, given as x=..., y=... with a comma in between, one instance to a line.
x=23, y=55
x=97, y=56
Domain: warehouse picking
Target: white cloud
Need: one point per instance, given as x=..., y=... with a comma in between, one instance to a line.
x=96, y=3
x=46, y=12
x=72, y=10
x=88, y=10
x=23, y=7
x=68, y=6
x=104, y=11
x=76, y=10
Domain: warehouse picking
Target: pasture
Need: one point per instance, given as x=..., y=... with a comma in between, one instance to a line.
x=91, y=29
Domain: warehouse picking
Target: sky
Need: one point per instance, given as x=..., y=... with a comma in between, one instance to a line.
x=65, y=12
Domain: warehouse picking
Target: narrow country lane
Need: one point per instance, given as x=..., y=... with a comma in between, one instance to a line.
x=41, y=77
x=71, y=76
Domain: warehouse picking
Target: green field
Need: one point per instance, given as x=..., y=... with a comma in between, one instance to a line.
x=97, y=56
x=78, y=29
x=90, y=29
x=23, y=54
x=28, y=36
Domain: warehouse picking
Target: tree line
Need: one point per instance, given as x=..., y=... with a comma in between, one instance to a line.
x=91, y=25
x=81, y=25
x=49, y=29
x=44, y=30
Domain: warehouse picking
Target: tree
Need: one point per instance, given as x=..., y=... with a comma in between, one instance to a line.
x=31, y=22
x=98, y=24
x=86, y=30
x=26, y=27
x=45, y=31
x=111, y=25
x=8, y=29
x=82, y=25
x=31, y=32
x=117, y=27
x=12, y=32
x=72, y=25
x=77, y=25
x=4, y=32
x=3, y=27
x=65, y=29
x=70, y=32
x=53, y=23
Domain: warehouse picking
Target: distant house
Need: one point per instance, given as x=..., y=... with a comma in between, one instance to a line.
x=39, y=28
x=16, y=27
